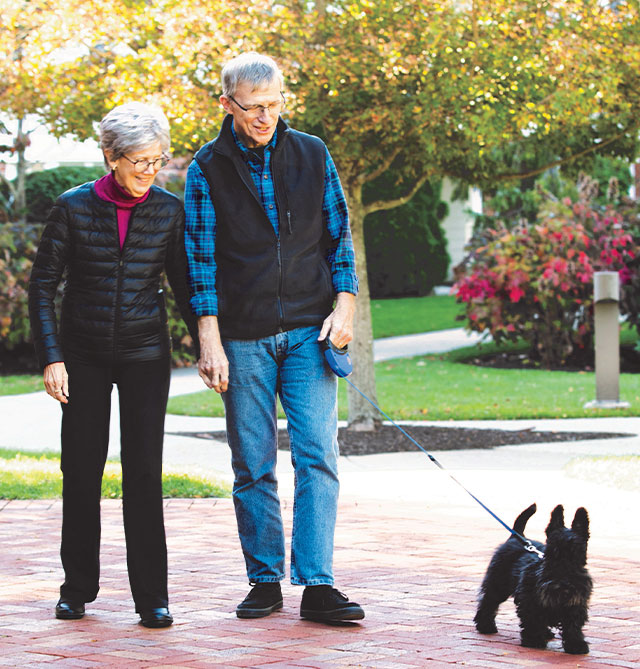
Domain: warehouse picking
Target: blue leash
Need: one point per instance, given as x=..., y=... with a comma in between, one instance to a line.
x=341, y=365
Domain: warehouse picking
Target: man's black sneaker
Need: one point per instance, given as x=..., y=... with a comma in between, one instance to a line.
x=326, y=604
x=263, y=599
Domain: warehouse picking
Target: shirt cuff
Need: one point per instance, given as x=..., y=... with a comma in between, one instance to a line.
x=345, y=283
x=204, y=305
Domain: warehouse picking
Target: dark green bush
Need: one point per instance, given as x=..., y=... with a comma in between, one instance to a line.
x=18, y=244
x=406, y=247
x=43, y=188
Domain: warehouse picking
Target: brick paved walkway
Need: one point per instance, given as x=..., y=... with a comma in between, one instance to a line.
x=415, y=570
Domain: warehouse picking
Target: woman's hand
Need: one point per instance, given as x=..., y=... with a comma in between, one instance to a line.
x=56, y=381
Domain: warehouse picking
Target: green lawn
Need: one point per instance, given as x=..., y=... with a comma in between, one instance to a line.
x=443, y=387
x=412, y=315
x=18, y=385
x=26, y=475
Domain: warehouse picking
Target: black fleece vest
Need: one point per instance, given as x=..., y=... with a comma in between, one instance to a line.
x=267, y=284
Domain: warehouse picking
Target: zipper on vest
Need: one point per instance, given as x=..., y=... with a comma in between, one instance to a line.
x=278, y=186
x=280, y=311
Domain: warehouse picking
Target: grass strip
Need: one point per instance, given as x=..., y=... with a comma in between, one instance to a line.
x=38, y=476
x=21, y=384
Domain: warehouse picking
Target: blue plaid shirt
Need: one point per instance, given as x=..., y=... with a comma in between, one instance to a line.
x=200, y=227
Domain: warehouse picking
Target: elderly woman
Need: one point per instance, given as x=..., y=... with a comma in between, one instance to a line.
x=113, y=239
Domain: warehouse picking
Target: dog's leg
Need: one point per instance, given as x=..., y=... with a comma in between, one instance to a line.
x=496, y=587
x=571, y=632
x=492, y=593
x=485, y=618
x=534, y=633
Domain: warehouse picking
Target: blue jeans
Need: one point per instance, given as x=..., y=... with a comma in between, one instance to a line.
x=289, y=364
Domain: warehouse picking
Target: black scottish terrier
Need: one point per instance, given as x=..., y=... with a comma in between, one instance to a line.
x=549, y=591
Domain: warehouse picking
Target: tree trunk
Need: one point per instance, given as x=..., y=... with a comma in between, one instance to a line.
x=362, y=416
x=20, y=206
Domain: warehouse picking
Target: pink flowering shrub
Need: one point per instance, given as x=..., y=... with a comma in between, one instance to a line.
x=535, y=281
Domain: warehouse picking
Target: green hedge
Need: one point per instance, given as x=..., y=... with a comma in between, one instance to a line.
x=44, y=187
x=406, y=246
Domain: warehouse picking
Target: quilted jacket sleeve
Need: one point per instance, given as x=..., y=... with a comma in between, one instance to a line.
x=176, y=269
x=46, y=274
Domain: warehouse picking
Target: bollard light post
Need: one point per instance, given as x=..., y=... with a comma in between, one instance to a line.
x=606, y=295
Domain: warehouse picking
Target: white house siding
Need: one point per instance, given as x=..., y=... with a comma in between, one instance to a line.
x=458, y=224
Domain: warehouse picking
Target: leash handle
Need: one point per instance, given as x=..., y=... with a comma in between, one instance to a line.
x=528, y=546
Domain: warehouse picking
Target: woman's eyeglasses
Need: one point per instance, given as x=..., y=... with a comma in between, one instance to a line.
x=143, y=165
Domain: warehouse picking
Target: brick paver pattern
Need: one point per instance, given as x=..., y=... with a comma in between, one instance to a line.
x=415, y=571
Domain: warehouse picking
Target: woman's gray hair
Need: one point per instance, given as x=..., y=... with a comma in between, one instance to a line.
x=131, y=127
x=253, y=68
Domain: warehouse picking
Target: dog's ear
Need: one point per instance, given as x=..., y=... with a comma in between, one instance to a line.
x=557, y=519
x=580, y=524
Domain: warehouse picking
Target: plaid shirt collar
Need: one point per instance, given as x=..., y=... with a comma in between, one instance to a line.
x=245, y=151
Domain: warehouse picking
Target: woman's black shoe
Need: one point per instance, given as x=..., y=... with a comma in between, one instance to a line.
x=156, y=617
x=68, y=610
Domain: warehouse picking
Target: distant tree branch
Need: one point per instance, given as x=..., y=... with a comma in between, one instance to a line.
x=563, y=161
x=382, y=168
x=381, y=205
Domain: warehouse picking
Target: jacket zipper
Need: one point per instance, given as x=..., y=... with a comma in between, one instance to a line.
x=116, y=322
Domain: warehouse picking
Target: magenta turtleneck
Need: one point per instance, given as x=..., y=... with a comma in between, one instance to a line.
x=107, y=188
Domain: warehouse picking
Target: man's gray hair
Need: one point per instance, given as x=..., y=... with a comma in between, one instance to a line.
x=132, y=127
x=254, y=68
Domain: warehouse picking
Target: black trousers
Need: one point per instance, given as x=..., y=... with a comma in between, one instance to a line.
x=143, y=388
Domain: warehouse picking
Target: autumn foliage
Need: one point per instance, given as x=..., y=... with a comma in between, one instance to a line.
x=535, y=281
x=480, y=91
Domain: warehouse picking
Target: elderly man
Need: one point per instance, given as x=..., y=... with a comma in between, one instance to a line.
x=272, y=274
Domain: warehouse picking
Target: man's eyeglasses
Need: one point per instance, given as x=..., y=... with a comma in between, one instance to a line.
x=143, y=165
x=272, y=108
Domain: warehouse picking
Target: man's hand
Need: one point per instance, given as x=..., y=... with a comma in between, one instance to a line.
x=338, y=325
x=213, y=365
x=56, y=381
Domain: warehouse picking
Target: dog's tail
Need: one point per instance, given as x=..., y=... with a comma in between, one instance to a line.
x=521, y=520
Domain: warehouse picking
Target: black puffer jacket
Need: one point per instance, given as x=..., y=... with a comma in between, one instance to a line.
x=113, y=309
